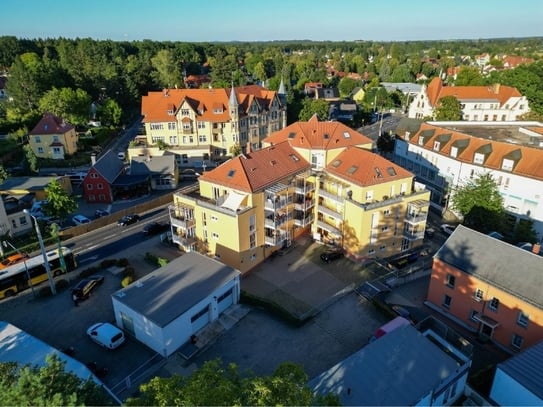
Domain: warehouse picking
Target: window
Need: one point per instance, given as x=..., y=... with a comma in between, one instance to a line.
x=199, y=314
x=478, y=295
x=215, y=235
x=507, y=165
x=436, y=145
x=94, y=175
x=523, y=319
x=451, y=280
x=472, y=315
x=173, y=140
x=371, y=251
x=56, y=150
x=171, y=126
x=384, y=228
x=89, y=186
x=516, y=341
x=382, y=247
x=494, y=304
x=202, y=138
x=369, y=195
x=100, y=186
x=214, y=218
x=185, y=112
x=479, y=158
x=184, y=158
x=386, y=212
x=201, y=125
x=252, y=240
x=38, y=139
x=447, y=300
x=40, y=150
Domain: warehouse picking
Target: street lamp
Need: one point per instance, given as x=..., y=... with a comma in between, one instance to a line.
x=6, y=244
x=42, y=247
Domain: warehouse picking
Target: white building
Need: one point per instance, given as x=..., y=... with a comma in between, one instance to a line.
x=519, y=380
x=166, y=307
x=446, y=155
x=479, y=103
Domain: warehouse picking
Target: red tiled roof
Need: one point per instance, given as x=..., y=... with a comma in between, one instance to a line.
x=529, y=165
x=154, y=106
x=364, y=168
x=256, y=170
x=500, y=93
x=314, y=134
x=51, y=124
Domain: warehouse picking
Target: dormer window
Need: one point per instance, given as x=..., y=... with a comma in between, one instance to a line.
x=507, y=165
x=185, y=112
x=479, y=158
x=454, y=151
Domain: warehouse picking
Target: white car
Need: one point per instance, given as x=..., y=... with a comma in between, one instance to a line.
x=80, y=220
x=447, y=229
x=106, y=335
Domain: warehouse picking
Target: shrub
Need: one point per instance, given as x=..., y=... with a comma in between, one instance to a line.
x=122, y=262
x=107, y=263
x=126, y=281
x=161, y=261
x=129, y=272
x=89, y=272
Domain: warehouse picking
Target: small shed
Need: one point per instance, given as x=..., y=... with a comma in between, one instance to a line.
x=166, y=307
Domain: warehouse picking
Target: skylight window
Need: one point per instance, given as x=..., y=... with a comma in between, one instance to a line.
x=391, y=171
x=378, y=172
x=294, y=158
x=352, y=170
x=291, y=135
x=326, y=136
x=346, y=134
x=336, y=163
x=231, y=173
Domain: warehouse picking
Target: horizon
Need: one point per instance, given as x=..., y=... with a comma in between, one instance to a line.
x=282, y=21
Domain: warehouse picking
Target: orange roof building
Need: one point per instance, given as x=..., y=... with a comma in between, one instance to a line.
x=479, y=103
x=302, y=182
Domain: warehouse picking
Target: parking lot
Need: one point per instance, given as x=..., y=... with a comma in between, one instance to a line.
x=260, y=341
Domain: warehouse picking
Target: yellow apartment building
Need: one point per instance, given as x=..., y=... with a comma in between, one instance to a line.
x=316, y=178
x=53, y=138
x=201, y=126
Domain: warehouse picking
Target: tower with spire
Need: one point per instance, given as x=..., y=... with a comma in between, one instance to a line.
x=233, y=107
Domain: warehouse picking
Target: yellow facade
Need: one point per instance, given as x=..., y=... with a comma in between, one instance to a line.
x=54, y=146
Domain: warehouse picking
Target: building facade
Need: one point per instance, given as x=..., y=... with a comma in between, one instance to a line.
x=479, y=103
x=53, y=138
x=309, y=178
x=202, y=126
x=447, y=155
x=490, y=287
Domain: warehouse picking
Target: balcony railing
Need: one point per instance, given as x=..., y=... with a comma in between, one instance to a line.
x=329, y=195
x=304, y=221
x=183, y=241
x=305, y=205
x=413, y=235
x=329, y=212
x=416, y=218
x=275, y=240
x=182, y=223
x=301, y=188
x=274, y=205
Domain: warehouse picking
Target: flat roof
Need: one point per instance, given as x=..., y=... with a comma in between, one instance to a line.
x=173, y=289
x=397, y=369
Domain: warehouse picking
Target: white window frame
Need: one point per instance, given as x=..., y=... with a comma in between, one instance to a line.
x=478, y=295
x=491, y=303
x=523, y=319
x=517, y=341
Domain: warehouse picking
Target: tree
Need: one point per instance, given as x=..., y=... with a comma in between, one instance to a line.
x=448, y=109
x=216, y=385
x=30, y=158
x=346, y=86
x=59, y=203
x=69, y=104
x=480, y=203
x=110, y=112
x=167, y=72
x=235, y=150
x=311, y=107
x=3, y=174
x=49, y=385
x=469, y=76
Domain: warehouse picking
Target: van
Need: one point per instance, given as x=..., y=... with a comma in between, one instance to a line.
x=389, y=327
x=106, y=335
x=85, y=287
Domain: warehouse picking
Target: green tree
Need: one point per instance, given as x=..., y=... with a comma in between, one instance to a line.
x=235, y=150
x=3, y=174
x=216, y=385
x=31, y=160
x=167, y=71
x=346, y=86
x=469, y=76
x=480, y=203
x=69, y=104
x=311, y=107
x=448, y=109
x=59, y=203
x=49, y=385
x=110, y=112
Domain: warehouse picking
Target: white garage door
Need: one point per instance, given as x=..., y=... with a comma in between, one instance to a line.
x=225, y=300
x=200, y=319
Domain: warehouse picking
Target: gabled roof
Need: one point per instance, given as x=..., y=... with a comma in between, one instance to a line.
x=505, y=266
x=164, y=164
x=497, y=93
x=364, y=168
x=109, y=166
x=529, y=160
x=256, y=170
x=51, y=124
x=154, y=106
x=525, y=369
x=317, y=135
x=398, y=369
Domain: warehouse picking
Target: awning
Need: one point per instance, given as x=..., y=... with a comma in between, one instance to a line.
x=492, y=323
x=233, y=201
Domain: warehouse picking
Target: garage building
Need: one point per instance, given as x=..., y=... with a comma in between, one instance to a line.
x=166, y=307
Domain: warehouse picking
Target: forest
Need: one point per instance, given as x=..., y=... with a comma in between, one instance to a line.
x=69, y=76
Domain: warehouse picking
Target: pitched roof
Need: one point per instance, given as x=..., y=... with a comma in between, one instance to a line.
x=209, y=104
x=364, y=168
x=505, y=266
x=109, y=166
x=315, y=134
x=498, y=93
x=525, y=369
x=528, y=161
x=51, y=124
x=164, y=164
x=396, y=370
x=256, y=170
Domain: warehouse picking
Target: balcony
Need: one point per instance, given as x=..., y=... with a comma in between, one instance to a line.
x=301, y=222
x=277, y=221
x=305, y=205
x=181, y=216
x=304, y=188
x=182, y=223
x=275, y=240
x=416, y=217
x=329, y=228
x=329, y=195
x=185, y=242
x=412, y=235
x=274, y=205
x=329, y=212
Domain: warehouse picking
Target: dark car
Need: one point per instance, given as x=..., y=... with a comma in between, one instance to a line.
x=128, y=219
x=85, y=287
x=100, y=212
x=154, y=228
x=331, y=255
x=402, y=312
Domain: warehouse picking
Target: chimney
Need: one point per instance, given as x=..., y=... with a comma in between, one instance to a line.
x=93, y=159
x=496, y=88
x=536, y=247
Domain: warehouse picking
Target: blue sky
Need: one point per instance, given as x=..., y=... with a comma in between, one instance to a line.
x=241, y=20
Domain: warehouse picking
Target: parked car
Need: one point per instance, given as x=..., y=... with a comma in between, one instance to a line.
x=331, y=255
x=447, y=229
x=85, y=287
x=154, y=228
x=128, y=219
x=13, y=259
x=80, y=220
x=106, y=335
x=402, y=312
x=101, y=212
